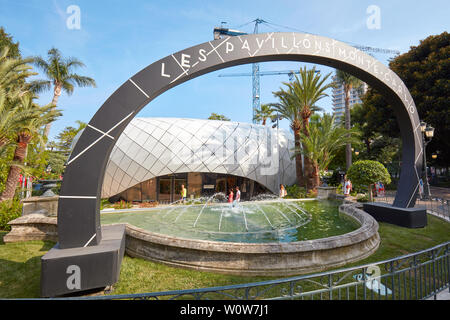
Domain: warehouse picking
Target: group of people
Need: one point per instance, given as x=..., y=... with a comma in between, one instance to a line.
x=232, y=199
x=236, y=198
x=347, y=187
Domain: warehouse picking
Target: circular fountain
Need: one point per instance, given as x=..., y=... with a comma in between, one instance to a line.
x=270, y=236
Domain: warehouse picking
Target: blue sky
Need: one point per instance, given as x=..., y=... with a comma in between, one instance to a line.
x=117, y=39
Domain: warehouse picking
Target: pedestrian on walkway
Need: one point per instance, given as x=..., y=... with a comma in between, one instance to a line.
x=238, y=197
x=347, y=186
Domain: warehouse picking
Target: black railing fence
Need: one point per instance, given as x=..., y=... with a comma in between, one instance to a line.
x=419, y=275
x=436, y=205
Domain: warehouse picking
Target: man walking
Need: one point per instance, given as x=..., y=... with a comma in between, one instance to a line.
x=238, y=196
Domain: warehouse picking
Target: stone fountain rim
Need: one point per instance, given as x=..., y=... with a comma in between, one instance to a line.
x=367, y=230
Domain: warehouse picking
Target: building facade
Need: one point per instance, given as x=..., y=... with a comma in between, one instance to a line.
x=154, y=157
x=338, y=99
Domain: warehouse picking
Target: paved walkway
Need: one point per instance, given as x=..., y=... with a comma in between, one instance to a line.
x=444, y=295
x=435, y=208
x=440, y=192
x=439, y=207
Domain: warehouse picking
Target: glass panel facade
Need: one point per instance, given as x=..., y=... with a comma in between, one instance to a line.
x=167, y=189
x=202, y=151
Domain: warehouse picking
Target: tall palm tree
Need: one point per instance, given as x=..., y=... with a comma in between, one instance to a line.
x=29, y=130
x=320, y=146
x=349, y=82
x=288, y=109
x=308, y=89
x=297, y=103
x=59, y=73
x=263, y=113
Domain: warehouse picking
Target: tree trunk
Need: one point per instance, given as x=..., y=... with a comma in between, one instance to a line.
x=14, y=171
x=348, y=146
x=367, y=142
x=308, y=175
x=370, y=193
x=56, y=94
x=314, y=178
x=298, y=159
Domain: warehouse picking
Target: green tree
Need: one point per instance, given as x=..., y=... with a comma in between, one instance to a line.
x=297, y=102
x=264, y=113
x=325, y=138
x=215, y=116
x=425, y=71
x=25, y=134
x=60, y=150
x=13, y=73
x=367, y=173
x=348, y=82
x=59, y=72
x=65, y=137
x=7, y=41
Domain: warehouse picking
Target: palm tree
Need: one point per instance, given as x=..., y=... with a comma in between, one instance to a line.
x=59, y=73
x=13, y=73
x=349, y=82
x=320, y=146
x=308, y=90
x=297, y=103
x=28, y=131
x=288, y=109
x=263, y=114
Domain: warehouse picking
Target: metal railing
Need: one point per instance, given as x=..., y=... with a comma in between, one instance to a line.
x=419, y=275
x=435, y=205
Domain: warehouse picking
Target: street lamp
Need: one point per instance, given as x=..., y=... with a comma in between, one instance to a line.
x=276, y=125
x=427, y=135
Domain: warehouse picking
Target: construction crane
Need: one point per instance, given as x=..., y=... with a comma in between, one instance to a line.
x=256, y=73
x=218, y=32
x=290, y=73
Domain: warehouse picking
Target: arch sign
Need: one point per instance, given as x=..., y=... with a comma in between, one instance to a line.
x=79, y=201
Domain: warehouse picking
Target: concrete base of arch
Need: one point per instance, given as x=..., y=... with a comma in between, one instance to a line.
x=69, y=271
x=403, y=217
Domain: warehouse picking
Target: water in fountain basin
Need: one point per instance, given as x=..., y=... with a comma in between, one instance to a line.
x=253, y=221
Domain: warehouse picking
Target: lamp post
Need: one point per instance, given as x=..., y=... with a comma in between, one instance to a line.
x=427, y=135
x=276, y=125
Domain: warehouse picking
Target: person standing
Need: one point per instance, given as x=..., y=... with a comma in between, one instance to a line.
x=283, y=192
x=347, y=186
x=238, y=196
x=183, y=193
x=230, y=196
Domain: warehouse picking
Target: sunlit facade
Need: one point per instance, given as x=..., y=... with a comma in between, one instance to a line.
x=155, y=156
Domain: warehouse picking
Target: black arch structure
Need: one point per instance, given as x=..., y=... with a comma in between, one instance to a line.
x=79, y=201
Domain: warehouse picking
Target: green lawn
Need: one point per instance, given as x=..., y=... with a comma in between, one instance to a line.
x=20, y=263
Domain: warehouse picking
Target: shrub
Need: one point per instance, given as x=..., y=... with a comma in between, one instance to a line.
x=122, y=205
x=362, y=197
x=149, y=204
x=104, y=203
x=339, y=189
x=368, y=172
x=295, y=192
x=311, y=194
x=9, y=210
